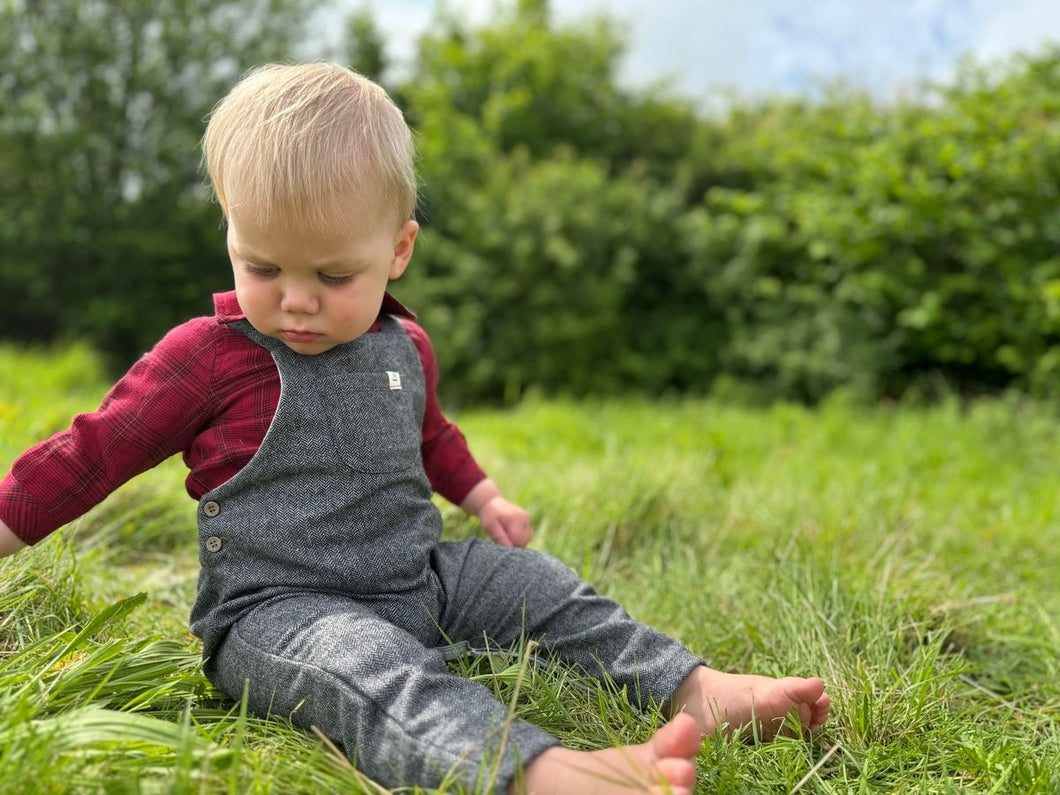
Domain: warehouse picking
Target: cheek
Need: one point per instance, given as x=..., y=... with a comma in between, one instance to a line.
x=252, y=296
x=355, y=313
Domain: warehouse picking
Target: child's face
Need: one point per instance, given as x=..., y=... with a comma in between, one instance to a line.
x=314, y=291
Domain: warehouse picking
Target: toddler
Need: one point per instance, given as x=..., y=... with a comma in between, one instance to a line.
x=306, y=411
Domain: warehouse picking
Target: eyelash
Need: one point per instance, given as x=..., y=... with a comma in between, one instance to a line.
x=268, y=273
x=263, y=273
x=334, y=281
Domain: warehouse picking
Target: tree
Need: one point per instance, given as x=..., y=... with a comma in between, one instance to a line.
x=105, y=226
x=551, y=199
x=365, y=50
x=527, y=81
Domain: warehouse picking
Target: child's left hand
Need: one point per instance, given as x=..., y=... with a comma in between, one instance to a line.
x=506, y=523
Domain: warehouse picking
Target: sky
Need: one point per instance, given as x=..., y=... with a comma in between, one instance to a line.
x=709, y=49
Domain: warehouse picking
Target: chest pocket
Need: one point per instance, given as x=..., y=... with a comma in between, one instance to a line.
x=375, y=426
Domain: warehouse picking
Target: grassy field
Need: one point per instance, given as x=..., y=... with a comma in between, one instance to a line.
x=910, y=556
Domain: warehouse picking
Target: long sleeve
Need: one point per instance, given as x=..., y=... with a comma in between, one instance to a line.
x=150, y=414
x=451, y=468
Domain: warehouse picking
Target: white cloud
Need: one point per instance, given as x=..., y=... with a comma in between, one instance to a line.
x=402, y=22
x=778, y=46
x=1018, y=26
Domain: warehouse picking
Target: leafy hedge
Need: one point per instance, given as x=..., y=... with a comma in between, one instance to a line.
x=795, y=248
x=880, y=246
x=583, y=238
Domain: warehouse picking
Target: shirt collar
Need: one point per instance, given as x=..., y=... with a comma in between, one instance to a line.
x=226, y=306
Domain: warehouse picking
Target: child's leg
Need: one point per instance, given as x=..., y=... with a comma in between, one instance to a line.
x=505, y=592
x=328, y=662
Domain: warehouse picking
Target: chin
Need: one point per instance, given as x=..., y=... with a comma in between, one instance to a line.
x=310, y=348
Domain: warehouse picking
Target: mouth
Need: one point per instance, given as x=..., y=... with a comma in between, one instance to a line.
x=292, y=335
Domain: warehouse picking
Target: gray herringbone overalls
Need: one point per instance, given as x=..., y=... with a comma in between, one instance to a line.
x=325, y=586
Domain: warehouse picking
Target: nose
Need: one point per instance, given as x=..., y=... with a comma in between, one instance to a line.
x=299, y=299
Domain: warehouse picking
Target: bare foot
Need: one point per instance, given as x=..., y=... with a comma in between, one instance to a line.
x=755, y=706
x=664, y=764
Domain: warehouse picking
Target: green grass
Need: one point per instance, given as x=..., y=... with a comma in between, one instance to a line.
x=908, y=555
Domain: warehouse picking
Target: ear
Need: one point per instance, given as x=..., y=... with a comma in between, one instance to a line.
x=404, y=243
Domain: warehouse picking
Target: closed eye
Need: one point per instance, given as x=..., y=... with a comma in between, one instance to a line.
x=335, y=281
x=261, y=272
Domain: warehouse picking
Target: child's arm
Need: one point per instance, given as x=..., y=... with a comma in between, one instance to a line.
x=452, y=469
x=151, y=413
x=9, y=542
x=505, y=522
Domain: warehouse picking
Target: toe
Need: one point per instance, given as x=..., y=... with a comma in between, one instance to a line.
x=679, y=773
x=679, y=738
x=820, y=712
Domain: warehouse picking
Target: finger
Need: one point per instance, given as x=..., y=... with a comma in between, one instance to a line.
x=500, y=534
x=523, y=535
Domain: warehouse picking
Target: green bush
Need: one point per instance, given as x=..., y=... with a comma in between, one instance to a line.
x=579, y=237
x=879, y=248
x=565, y=285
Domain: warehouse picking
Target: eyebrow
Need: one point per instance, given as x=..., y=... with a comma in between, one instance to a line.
x=249, y=256
x=252, y=256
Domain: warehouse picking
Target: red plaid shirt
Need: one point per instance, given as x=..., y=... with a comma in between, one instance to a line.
x=205, y=391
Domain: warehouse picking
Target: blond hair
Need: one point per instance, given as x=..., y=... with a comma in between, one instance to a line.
x=304, y=144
